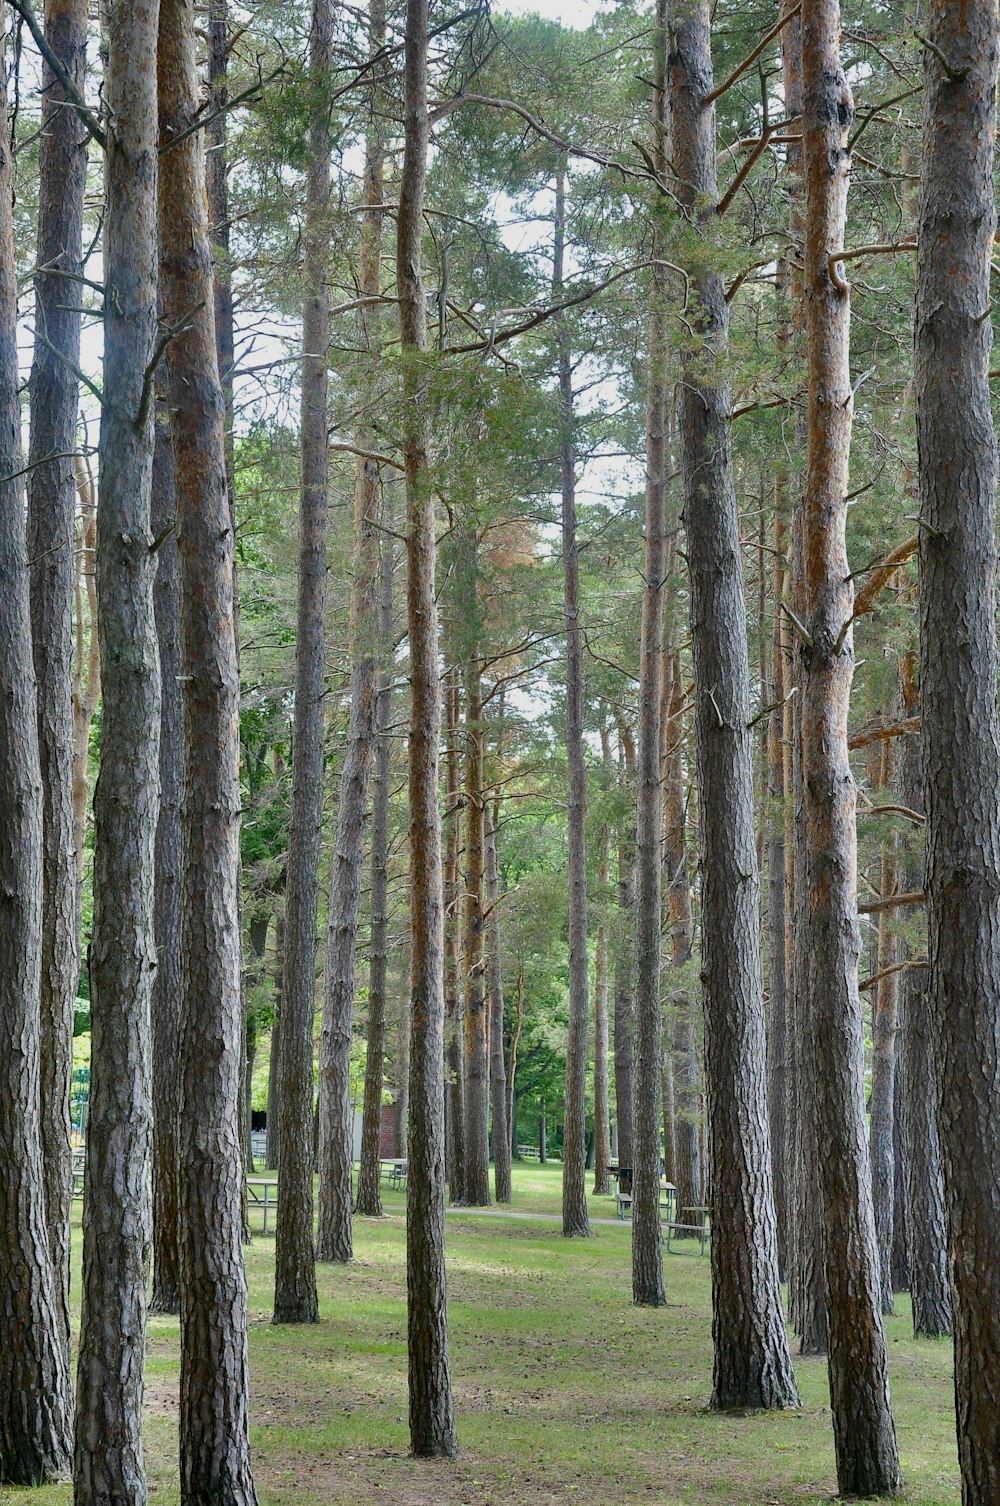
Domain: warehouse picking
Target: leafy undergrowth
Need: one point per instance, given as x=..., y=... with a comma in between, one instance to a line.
x=564, y=1392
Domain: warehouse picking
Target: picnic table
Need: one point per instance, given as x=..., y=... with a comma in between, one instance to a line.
x=394, y=1167
x=262, y=1192
x=623, y=1200
x=695, y=1222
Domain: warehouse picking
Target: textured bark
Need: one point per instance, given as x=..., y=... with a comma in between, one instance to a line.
x=958, y=678
x=751, y=1361
x=214, y=1382
x=494, y=988
x=295, y=1299
x=926, y=1235
x=574, y=1177
x=647, y=1236
x=476, y=1023
x=271, y=1159
x=515, y=1041
x=432, y=1429
x=684, y=1045
x=454, y=1063
x=369, y=1200
x=86, y=669
x=624, y=1027
x=62, y=166
x=165, y=1003
x=35, y=1396
x=602, y=994
x=777, y=1025
x=884, y=1028
x=864, y=1432
x=109, y=1464
x=336, y=1117
x=401, y=1116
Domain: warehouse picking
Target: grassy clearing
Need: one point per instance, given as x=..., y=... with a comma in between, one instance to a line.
x=564, y=1392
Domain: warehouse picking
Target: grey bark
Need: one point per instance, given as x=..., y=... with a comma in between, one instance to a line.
x=494, y=990
x=957, y=457
x=109, y=1463
x=751, y=1360
x=624, y=1023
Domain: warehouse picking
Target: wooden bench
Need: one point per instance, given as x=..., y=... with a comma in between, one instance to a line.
x=395, y=1169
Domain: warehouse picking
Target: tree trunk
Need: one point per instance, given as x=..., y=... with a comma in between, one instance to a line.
x=926, y=1236
x=35, y=1392
x=777, y=1024
x=958, y=678
x=271, y=1159
x=624, y=1029
x=476, y=1034
x=87, y=671
x=214, y=1386
x=402, y=1114
x=336, y=1119
x=165, y=1006
x=432, y=1429
x=369, y=1201
x=864, y=1432
x=647, y=1235
x=752, y=1366
x=884, y=1027
x=494, y=978
x=109, y=1463
x=454, y=1064
x=295, y=1299
x=62, y=169
x=602, y=991
x=574, y=1176
x=515, y=1041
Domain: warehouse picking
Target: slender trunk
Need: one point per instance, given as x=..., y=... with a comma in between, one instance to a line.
x=35, y=1392
x=271, y=1159
x=926, y=1235
x=602, y=992
x=87, y=671
x=165, y=1005
x=647, y=1237
x=752, y=1365
x=777, y=1024
x=62, y=170
x=624, y=1029
x=494, y=977
x=295, y=1299
x=667, y=1099
x=515, y=1041
x=454, y=1063
x=336, y=1119
x=369, y=1173
x=956, y=445
x=476, y=1024
x=687, y=1115
x=214, y=1386
x=864, y=1432
x=109, y=1462
x=574, y=1177
x=884, y=1027
x=402, y=1105
x=432, y=1428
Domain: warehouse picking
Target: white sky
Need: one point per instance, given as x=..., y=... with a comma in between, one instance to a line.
x=577, y=13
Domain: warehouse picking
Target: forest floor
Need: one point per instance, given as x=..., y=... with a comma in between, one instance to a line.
x=564, y=1392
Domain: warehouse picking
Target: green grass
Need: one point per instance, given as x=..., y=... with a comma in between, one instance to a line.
x=563, y=1391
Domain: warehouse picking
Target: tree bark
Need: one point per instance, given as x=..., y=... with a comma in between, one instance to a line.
x=751, y=1361
x=647, y=1234
x=454, y=1063
x=602, y=993
x=271, y=1159
x=624, y=1028
x=62, y=169
x=432, y=1429
x=369, y=1201
x=109, y=1463
x=957, y=453
x=494, y=984
x=214, y=1384
x=35, y=1392
x=777, y=1023
x=165, y=1003
x=884, y=1027
x=336, y=1118
x=926, y=1235
x=574, y=1177
x=295, y=1299
x=476, y=1033
x=864, y=1432
x=86, y=672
